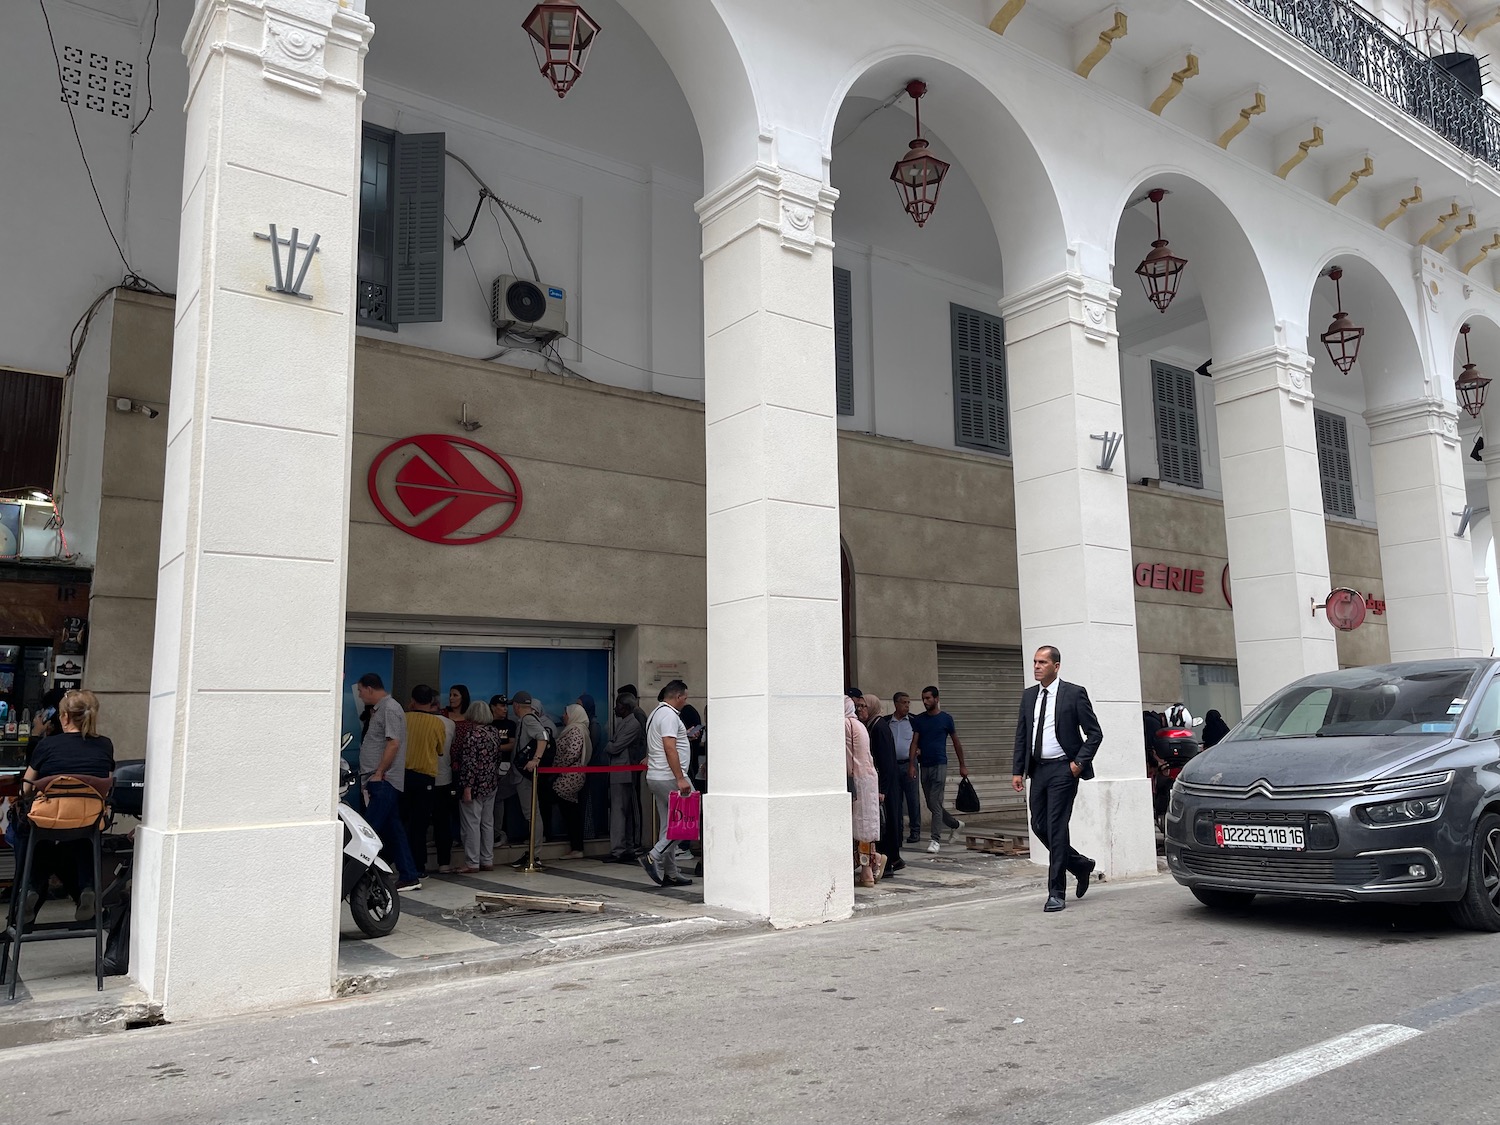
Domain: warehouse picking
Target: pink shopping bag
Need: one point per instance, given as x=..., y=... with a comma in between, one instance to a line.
x=683, y=811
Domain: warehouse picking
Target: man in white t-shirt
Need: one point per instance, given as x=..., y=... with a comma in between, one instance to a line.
x=666, y=772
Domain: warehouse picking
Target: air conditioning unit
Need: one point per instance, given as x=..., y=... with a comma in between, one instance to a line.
x=528, y=308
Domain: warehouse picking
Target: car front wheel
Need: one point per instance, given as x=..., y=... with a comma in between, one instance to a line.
x=1479, y=909
x=1223, y=900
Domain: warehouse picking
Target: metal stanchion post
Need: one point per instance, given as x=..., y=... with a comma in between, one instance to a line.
x=531, y=864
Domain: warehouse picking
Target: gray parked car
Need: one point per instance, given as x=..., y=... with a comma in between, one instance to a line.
x=1369, y=784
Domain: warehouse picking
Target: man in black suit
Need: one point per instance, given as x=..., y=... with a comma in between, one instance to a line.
x=1057, y=737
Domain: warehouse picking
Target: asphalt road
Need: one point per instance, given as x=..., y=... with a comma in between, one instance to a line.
x=985, y=1011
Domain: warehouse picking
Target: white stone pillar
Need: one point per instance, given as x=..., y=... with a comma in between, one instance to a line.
x=1273, y=519
x=236, y=877
x=1073, y=544
x=777, y=822
x=1428, y=572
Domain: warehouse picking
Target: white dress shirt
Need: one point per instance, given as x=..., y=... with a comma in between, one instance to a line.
x=1046, y=722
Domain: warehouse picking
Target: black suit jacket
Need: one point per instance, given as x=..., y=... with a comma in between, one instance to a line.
x=883, y=752
x=1078, y=730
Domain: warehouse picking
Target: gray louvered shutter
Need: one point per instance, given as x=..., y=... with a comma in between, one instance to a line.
x=1333, y=463
x=417, y=268
x=843, y=340
x=980, y=413
x=1177, y=450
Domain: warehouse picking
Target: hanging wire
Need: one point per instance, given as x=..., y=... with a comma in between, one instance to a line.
x=155, y=18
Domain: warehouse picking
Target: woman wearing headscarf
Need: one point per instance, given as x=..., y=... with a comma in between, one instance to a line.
x=883, y=752
x=573, y=748
x=1214, y=729
x=476, y=772
x=866, y=784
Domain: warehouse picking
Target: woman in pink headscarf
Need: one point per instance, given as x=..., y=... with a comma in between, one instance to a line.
x=861, y=770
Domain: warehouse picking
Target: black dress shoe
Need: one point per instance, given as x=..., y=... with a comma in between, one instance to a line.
x=894, y=866
x=678, y=881
x=1083, y=880
x=1054, y=904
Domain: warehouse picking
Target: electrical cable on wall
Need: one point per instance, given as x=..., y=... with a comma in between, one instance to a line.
x=485, y=191
x=155, y=18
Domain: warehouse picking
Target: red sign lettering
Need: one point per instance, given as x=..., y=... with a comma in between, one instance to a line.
x=1160, y=576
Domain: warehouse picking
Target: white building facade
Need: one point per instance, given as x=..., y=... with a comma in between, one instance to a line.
x=768, y=432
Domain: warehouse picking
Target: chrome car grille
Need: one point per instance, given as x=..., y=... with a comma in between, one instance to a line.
x=1283, y=868
x=1262, y=789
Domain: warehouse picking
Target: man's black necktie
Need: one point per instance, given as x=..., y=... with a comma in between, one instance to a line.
x=1041, y=721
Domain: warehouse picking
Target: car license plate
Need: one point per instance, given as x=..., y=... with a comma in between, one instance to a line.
x=1277, y=836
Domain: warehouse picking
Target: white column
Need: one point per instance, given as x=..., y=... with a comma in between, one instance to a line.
x=777, y=822
x=1273, y=519
x=1428, y=572
x=1073, y=544
x=236, y=878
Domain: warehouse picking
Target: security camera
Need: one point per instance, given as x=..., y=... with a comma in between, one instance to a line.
x=149, y=412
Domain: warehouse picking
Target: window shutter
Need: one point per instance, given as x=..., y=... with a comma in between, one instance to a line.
x=31, y=406
x=1177, y=449
x=417, y=271
x=843, y=340
x=980, y=410
x=1334, y=467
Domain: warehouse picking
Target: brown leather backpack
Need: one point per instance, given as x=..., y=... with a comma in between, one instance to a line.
x=68, y=802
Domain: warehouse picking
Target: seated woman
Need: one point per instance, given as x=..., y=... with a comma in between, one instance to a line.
x=80, y=750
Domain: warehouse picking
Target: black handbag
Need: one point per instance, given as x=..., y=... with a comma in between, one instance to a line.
x=967, y=800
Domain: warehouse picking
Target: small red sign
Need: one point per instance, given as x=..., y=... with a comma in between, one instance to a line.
x=453, y=490
x=1160, y=576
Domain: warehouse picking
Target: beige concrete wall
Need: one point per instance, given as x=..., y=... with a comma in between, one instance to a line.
x=1354, y=561
x=122, y=609
x=931, y=538
x=1183, y=530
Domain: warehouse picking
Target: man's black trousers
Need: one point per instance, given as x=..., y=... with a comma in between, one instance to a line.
x=1053, y=789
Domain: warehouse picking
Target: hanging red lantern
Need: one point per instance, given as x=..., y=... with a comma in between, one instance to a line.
x=1343, y=335
x=919, y=175
x=1161, y=270
x=561, y=35
x=1470, y=383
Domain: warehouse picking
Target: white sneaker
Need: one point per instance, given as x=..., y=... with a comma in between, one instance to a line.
x=934, y=847
x=954, y=831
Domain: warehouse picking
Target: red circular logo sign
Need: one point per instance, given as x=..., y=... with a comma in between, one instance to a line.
x=452, y=491
x=1345, y=609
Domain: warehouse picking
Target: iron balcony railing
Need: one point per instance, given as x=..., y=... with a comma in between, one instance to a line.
x=1363, y=47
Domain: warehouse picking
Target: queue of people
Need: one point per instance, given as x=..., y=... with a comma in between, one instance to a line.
x=469, y=772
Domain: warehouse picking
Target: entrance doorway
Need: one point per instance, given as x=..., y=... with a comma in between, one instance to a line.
x=1211, y=687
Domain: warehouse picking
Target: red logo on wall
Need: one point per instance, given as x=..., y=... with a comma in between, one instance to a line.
x=453, y=491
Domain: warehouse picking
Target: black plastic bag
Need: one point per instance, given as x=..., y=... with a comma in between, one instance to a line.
x=117, y=940
x=967, y=800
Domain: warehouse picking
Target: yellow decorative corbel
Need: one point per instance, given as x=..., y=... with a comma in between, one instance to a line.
x=1354, y=177
x=1437, y=227
x=1175, y=84
x=1300, y=155
x=1243, y=123
x=1458, y=232
x=1414, y=197
x=1107, y=39
x=1484, y=252
x=1008, y=11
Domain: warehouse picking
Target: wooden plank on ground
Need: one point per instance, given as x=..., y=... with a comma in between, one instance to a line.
x=540, y=902
x=998, y=843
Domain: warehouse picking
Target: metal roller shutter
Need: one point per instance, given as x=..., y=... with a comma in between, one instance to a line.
x=981, y=688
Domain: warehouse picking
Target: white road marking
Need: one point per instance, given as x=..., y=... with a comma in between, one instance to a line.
x=1266, y=1078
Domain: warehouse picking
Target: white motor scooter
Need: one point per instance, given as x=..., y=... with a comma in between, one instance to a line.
x=368, y=882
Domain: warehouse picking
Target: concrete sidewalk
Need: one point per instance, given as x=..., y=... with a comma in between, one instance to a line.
x=442, y=935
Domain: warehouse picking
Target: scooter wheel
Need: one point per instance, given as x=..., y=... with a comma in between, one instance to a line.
x=375, y=903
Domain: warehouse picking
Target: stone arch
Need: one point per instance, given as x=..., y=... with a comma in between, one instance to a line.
x=1224, y=270
x=1390, y=367
x=971, y=121
x=708, y=64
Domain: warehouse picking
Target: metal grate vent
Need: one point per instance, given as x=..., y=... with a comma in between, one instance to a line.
x=97, y=82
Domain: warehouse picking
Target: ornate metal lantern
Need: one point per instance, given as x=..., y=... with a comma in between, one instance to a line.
x=919, y=175
x=1471, y=385
x=1343, y=335
x=1161, y=270
x=561, y=35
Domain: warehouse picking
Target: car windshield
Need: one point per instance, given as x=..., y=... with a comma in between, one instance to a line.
x=1421, y=698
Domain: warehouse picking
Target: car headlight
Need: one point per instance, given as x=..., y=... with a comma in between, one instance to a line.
x=1175, y=805
x=1410, y=811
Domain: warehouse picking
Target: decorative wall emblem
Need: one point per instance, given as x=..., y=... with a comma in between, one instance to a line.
x=442, y=489
x=97, y=82
x=797, y=231
x=291, y=275
x=292, y=53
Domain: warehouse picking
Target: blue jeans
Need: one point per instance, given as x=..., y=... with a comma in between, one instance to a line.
x=909, y=799
x=383, y=811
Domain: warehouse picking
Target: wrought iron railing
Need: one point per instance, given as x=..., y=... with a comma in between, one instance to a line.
x=1363, y=47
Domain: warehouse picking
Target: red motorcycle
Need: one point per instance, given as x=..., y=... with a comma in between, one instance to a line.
x=1172, y=748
